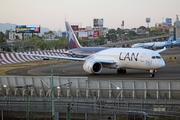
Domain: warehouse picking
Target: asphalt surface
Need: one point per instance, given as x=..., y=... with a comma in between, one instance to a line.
x=71, y=68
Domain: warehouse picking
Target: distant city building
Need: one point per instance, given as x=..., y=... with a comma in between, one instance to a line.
x=164, y=26
x=141, y=30
x=20, y=36
x=90, y=33
x=49, y=36
x=134, y=29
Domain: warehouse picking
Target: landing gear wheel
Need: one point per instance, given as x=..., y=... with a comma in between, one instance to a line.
x=124, y=71
x=121, y=71
x=151, y=75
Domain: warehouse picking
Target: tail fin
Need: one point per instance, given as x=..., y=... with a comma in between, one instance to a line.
x=169, y=42
x=171, y=39
x=177, y=41
x=73, y=41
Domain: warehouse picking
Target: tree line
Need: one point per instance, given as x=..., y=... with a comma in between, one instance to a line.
x=36, y=42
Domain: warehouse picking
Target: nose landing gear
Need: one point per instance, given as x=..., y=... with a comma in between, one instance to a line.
x=152, y=73
x=121, y=70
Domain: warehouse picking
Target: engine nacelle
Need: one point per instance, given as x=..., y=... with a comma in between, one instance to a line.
x=92, y=67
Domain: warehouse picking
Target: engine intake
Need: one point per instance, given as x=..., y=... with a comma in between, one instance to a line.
x=92, y=67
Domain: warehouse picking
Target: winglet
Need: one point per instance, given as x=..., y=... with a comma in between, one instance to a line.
x=161, y=50
x=73, y=41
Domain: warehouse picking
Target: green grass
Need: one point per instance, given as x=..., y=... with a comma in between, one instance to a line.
x=7, y=67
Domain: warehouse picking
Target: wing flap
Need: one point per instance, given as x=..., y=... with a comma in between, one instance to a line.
x=102, y=60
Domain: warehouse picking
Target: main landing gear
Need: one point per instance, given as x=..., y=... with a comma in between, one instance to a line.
x=121, y=70
x=152, y=73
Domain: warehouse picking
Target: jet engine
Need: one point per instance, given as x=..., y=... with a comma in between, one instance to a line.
x=92, y=67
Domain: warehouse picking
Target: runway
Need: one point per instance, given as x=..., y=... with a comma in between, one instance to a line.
x=72, y=68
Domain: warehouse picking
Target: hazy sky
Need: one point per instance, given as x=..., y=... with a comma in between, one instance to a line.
x=52, y=13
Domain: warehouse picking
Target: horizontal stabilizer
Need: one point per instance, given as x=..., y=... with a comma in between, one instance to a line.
x=161, y=50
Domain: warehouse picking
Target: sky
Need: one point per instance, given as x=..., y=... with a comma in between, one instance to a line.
x=53, y=13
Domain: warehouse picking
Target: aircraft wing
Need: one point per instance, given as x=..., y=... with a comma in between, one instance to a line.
x=161, y=50
x=53, y=56
x=109, y=61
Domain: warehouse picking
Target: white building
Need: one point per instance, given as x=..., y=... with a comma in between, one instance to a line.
x=49, y=36
x=13, y=35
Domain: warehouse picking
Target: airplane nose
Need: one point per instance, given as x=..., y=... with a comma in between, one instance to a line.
x=161, y=64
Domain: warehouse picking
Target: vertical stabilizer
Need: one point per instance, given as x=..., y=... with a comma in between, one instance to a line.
x=177, y=42
x=73, y=41
x=171, y=38
x=170, y=41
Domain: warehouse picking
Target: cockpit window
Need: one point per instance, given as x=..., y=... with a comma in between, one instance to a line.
x=156, y=57
x=153, y=57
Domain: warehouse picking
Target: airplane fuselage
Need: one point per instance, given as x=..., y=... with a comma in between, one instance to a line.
x=154, y=45
x=157, y=45
x=133, y=58
x=84, y=51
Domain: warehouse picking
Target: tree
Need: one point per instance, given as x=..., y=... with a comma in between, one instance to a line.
x=7, y=34
x=2, y=37
x=111, y=31
x=132, y=33
x=119, y=31
x=112, y=34
x=84, y=42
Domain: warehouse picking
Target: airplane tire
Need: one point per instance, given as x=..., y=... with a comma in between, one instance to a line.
x=124, y=71
x=118, y=71
x=121, y=71
x=151, y=75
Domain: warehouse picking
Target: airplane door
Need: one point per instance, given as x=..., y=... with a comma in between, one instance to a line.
x=142, y=57
x=125, y=61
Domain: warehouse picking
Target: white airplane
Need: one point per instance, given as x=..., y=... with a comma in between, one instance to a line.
x=154, y=45
x=97, y=58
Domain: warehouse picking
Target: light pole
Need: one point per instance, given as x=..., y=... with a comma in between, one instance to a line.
x=68, y=117
x=27, y=99
x=52, y=96
x=52, y=86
